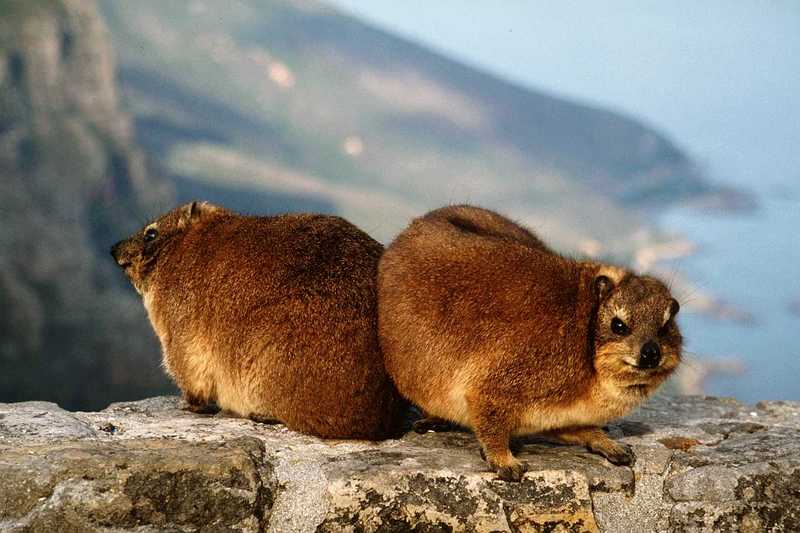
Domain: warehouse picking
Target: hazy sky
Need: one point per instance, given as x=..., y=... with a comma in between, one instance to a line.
x=721, y=77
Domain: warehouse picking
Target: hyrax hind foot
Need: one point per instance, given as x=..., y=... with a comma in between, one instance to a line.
x=432, y=423
x=264, y=419
x=619, y=454
x=596, y=441
x=198, y=406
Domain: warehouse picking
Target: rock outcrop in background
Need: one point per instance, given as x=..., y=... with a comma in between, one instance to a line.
x=72, y=180
x=703, y=464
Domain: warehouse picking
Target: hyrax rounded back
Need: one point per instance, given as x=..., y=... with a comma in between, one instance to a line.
x=482, y=325
x=272, y=318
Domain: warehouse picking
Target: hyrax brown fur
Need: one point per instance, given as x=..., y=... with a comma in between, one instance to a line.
x=483, y=325
x=272, y=318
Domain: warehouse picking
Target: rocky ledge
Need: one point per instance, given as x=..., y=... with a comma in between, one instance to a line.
x=703, y=464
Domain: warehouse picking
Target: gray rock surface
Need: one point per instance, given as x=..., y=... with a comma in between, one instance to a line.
x=703, y=464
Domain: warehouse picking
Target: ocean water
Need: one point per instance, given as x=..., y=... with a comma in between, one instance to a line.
x=753, y=262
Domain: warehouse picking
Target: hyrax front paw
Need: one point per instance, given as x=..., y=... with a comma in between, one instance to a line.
x=511, y=472
x=617, y=453
x=508, y=470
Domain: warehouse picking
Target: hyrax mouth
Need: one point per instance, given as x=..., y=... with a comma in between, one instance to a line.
x=638, y=389
x=644, y=369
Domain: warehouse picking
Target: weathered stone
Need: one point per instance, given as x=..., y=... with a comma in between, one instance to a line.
x=91, y=485
x=703, y=464
x=706, y=483
x=644, y=510
x=40, y=421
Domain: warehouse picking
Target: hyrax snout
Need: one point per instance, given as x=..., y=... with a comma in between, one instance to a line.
x=272, y=318
x=483, y=325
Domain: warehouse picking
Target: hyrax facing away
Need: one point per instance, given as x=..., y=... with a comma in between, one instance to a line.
x=482, y=325
x=272, y=318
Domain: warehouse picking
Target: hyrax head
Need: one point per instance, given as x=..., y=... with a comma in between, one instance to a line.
x=138, y=254
x=637, y=343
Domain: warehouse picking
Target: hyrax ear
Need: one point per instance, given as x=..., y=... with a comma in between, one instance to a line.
x=603, y=286
x=606, y=278
x=191, y=213
x=674, y=307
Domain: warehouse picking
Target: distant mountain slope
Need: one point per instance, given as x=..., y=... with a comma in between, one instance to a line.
x=295, y=97
x=71, y=181
x=263, y=106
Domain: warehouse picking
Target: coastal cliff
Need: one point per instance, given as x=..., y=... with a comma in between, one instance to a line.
x=703, y=464
x=72, y=180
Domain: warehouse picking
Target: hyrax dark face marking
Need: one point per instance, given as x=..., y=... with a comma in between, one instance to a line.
x=271, y=318
x=483, y=325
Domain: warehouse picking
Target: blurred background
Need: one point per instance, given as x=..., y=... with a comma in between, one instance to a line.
x=663, y=136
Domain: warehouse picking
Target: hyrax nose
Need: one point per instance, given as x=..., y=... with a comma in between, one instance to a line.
x=650, y=355
x=115, y=253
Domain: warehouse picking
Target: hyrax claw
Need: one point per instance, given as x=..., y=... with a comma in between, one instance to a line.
x=620, y=454
x=512, y=472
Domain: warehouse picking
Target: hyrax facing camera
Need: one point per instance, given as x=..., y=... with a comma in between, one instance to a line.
x=482, y=325
x=272, y=318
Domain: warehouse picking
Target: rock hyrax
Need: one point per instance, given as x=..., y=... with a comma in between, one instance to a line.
x=272, y=318
x=482, y=325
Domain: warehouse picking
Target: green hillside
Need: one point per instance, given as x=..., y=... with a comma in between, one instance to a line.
x=295, y=99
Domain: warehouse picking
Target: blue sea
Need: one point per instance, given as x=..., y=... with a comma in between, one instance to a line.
x=753, y=262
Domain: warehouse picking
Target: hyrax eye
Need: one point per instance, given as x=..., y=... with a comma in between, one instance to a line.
x=150, y=234
x=619, y=327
